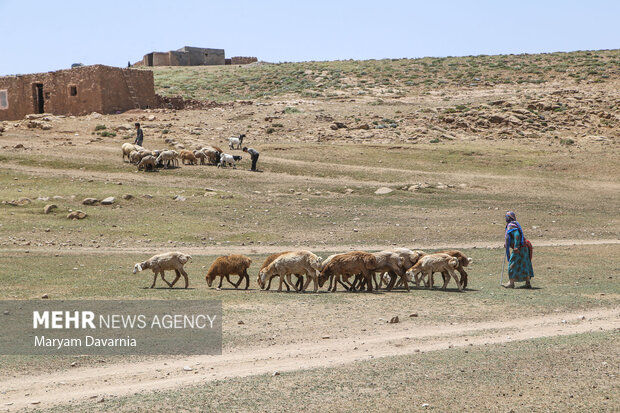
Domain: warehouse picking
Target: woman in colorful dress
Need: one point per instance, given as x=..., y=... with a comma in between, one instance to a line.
x=519, y=263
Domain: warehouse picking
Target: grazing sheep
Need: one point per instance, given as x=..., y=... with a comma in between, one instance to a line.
x=226, y=159
x=226, y=265
x=213, y=157
x=409, y=259
x=236, y=141
x=136, y=156
x=127, y=148
x=189, y=157
x=350, y=263
x=148, y=163
x=463, y=262
x=390, y=262
x=165, y=262
x=212, y=153
x=266, y=263
x=168, y=157
x=327, y=261
x=296, y=262
x=200, y=155
x=435, y=263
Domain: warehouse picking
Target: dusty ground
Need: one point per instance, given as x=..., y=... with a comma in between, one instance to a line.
x=456, y=157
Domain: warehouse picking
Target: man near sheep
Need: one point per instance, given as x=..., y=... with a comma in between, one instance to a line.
x=253, y=154
x=519, y=262
x=139, y=135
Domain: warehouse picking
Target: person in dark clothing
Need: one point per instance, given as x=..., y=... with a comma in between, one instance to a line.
x=139, y=135
x=253, y=154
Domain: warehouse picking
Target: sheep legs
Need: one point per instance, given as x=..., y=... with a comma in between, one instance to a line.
x=162, y=277
x=179, y=273
x=227, y=276
x=241, y=277
x=316, y=283
x=269, y=285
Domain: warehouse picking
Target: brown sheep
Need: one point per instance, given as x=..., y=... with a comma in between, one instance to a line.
x=189, y=157
x=226, y=265
x=463, y=262
x=350, y=263
x=148, y=163
x=165, y=262
x=435, y=263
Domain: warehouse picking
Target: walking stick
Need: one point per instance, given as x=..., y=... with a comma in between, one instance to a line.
x=501, y=280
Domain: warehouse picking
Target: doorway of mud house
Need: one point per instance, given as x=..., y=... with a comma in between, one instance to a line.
x=39, y=103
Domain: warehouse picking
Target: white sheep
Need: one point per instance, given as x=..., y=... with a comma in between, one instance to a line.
x=435, y=263
x=296, y=262
x=235, y=141
x=128, y=147
x=227, y=159
x=168, y=156
x=169, y=261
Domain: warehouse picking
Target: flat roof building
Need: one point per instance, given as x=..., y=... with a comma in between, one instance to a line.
x=76, y=91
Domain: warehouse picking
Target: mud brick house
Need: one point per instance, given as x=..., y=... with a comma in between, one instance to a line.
x=77, y=91
x=186, y=56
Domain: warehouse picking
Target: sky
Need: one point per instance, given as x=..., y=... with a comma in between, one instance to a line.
x=40, y=36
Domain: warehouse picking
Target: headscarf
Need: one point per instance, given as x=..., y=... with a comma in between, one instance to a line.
x=511, y=225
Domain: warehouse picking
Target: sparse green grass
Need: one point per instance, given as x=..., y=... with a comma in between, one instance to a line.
x=388, y=77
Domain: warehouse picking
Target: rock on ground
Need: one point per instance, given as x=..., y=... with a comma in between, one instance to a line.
x=383, y=190
x=77, y=215
x=48, y=208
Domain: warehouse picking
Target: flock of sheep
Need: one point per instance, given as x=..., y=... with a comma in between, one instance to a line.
x=209, y=155
x=353, y=270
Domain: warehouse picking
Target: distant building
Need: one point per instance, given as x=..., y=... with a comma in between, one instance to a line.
x=77, y=91
x=186, y=56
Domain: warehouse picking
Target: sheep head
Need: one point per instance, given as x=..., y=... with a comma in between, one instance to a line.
x=209, y=278
x=467, y=262
x=137, y=268
x=325, y=274
x=453, y=262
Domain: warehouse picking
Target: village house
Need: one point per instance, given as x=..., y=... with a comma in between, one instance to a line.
x=76, y=91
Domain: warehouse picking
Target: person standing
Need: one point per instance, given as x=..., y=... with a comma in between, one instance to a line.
x=139, y=135
x=519, y=262
x=253, y=154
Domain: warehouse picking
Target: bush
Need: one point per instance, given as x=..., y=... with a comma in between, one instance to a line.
x=567, y=141
x=100, y=127
x=106, y=134
x=289, y=110
x=270, y=130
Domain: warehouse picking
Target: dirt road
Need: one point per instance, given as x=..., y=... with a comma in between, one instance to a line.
x=270, y=249
x=81, y=384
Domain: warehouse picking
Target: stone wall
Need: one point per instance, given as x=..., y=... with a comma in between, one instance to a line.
x=242, y=60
